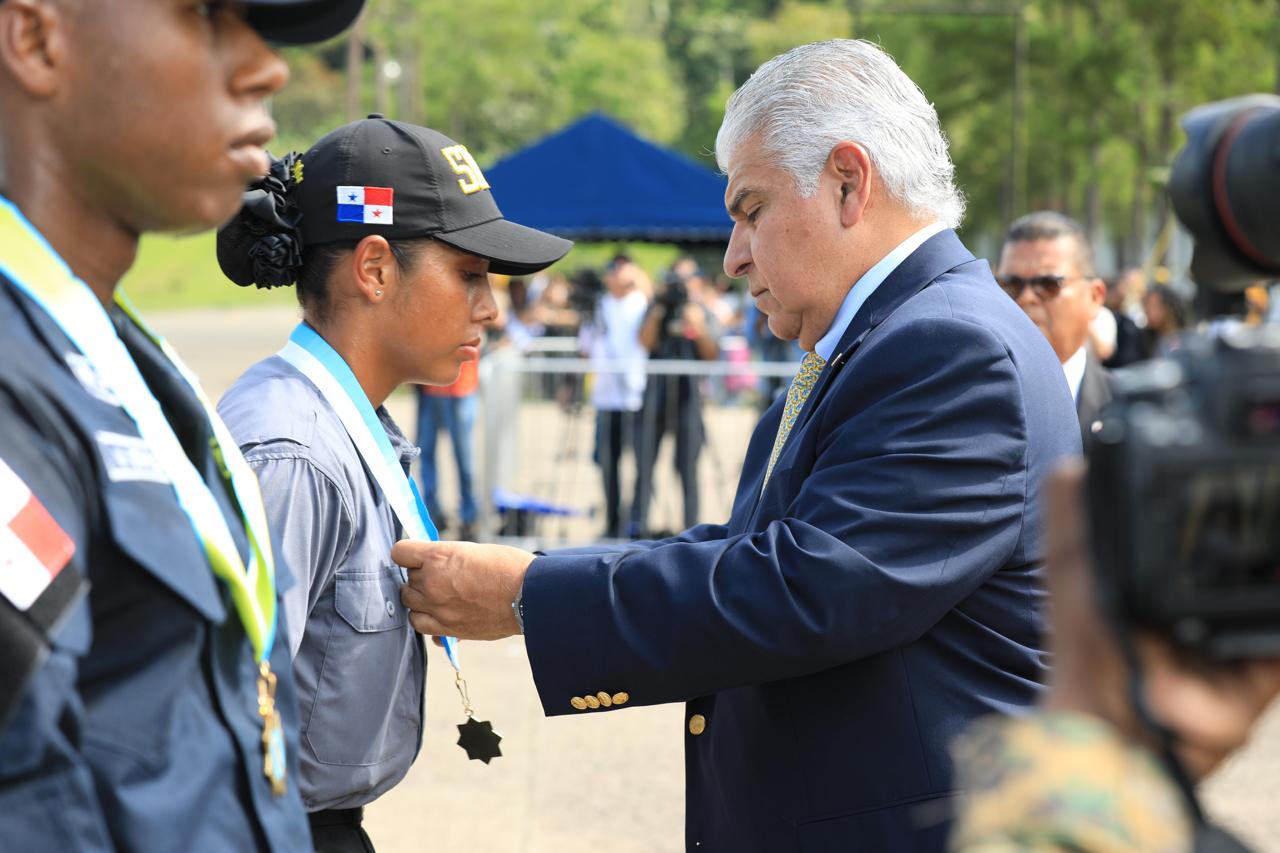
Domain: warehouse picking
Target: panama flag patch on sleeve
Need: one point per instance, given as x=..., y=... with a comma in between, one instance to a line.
x=33, y=548
x=370, y=205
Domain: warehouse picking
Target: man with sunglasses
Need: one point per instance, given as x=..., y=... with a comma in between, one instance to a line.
x=1046, y=266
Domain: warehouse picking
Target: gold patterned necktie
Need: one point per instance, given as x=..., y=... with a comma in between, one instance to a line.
x=806, y=377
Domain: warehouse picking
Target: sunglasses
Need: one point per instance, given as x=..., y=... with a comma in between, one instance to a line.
x=1045, y=286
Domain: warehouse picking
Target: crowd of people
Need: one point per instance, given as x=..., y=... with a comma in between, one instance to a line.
x=213, y=619
x=621, y=319
x=624, y=323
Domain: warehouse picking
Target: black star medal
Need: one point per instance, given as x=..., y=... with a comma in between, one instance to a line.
x=477, y=737
x=479, y=740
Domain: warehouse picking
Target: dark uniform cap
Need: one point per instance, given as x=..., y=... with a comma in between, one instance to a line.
x=402, y=181
x=301, y=21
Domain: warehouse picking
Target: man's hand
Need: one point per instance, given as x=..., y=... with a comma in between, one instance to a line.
x=1211, y=707
x=461, y=589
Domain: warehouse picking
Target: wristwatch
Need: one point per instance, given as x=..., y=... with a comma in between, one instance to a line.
x=517, y=608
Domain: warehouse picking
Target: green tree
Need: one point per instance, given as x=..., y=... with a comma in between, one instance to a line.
x=1105, y=81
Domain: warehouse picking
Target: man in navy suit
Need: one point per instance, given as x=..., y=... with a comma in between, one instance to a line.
x=877, y=586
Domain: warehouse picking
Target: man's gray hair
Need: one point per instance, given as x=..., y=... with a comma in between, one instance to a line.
x=809, y=99
x=1050, y=225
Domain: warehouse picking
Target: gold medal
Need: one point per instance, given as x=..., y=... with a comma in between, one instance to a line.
x=273, y=748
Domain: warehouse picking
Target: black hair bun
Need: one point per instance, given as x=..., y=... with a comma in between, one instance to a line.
x=262, y=245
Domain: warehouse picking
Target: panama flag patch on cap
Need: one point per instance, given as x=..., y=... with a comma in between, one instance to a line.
x=370, y=205
x=33, y=548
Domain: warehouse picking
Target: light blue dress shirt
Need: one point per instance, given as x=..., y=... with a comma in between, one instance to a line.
x=865, y=286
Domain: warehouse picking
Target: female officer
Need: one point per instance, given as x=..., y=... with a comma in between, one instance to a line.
x=389, y=232
x=144, y=704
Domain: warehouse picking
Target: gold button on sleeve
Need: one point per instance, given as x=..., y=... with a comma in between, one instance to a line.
x=697, y=724
x=605, y=699
x=592, y=702
x=579, y=703
x=621, y=698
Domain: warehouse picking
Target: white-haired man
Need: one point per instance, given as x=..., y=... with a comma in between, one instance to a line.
x=877, y=585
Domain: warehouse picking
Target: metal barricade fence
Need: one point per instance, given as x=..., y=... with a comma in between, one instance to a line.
x=539, y=482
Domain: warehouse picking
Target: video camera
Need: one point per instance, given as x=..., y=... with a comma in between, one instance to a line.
x=585, y=290
x=673, y=297
x=1184, y=479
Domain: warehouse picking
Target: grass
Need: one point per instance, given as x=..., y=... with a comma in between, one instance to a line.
x=182, y=272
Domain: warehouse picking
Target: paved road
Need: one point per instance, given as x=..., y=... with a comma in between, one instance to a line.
x=604, y=781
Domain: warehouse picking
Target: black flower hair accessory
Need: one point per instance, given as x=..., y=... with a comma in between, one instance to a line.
x=262, y=246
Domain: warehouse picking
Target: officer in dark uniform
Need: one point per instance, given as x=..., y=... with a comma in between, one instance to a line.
x=145, y=705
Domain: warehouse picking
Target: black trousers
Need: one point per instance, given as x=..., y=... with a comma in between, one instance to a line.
x=671, y=406
x=615, y=432
x=339, y=831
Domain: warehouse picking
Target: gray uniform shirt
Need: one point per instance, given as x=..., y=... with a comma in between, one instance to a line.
x=358, y=664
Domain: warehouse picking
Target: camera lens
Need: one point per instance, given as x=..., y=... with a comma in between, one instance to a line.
x=1224, y=187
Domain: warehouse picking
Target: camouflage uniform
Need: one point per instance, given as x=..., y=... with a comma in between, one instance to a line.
x=1058, y=781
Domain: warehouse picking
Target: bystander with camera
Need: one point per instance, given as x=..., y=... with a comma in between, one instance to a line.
x=676, y=328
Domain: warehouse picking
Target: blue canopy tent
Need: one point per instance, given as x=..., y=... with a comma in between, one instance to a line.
x=596, y=180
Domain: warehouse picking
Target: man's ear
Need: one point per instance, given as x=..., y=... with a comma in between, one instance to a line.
x=849, y=165
x=374, y=268
x=33, y=45
x=1097, y=291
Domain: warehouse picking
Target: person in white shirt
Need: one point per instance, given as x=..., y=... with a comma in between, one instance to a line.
x=1102, y=334
x=612, y=342
x=1047, y=267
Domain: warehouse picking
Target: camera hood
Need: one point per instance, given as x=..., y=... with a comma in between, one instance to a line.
x=1225, y=189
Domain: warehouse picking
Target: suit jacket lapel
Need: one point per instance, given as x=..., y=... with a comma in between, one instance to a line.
x=1094, y=389
x=939, y=254
x=1095, y=392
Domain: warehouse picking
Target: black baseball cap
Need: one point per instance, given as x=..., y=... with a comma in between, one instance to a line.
x=401, y=181
x=301, y=21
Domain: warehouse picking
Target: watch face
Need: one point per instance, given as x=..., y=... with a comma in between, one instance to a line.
x=517, y=607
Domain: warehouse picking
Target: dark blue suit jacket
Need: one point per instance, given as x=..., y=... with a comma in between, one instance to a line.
x=882, y=592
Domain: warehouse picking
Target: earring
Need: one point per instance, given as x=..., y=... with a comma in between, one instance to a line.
x=377, y=293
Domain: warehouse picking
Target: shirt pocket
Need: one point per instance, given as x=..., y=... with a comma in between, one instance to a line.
x=367, y=664
x=369, y=602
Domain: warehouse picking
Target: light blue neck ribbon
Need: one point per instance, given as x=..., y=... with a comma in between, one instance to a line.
x=36, y=269
x=329, y=372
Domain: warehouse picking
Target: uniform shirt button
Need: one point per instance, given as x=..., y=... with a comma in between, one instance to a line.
x=605, y=699
x=578, y=703
x=391, y=608
x=697, y=724
x=592, y=702
x=621, y=698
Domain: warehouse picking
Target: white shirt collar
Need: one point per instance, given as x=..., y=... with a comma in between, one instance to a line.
x=1074, y=370
x=865, y=286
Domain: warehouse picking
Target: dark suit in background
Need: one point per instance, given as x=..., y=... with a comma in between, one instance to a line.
x=1129, y=344
x=1095, y=392
x=858, y=611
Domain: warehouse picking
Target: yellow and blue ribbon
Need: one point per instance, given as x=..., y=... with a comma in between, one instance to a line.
x=27, y=260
